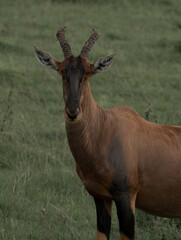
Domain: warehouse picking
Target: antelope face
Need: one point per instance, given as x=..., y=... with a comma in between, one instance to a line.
x=75, y=71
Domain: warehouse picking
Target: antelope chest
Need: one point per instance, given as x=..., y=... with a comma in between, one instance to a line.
x=96, y=182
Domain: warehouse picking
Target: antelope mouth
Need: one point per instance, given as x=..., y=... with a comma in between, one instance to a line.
x=72, y=116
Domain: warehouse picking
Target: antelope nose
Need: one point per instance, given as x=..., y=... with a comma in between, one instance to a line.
x=72, y=114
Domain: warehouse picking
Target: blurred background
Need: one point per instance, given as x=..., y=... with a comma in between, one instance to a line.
x=41, y=196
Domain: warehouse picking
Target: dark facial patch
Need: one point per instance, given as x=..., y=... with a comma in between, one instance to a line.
x=120, y=189
x=103, y=218
x=74, y=73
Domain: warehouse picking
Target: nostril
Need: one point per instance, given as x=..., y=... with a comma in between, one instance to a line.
x=72, y=114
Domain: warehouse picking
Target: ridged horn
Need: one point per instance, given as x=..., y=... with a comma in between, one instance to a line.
x=89, y=44
x=63, y=42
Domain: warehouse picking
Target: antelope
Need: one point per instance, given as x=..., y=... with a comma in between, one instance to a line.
x=119, y=156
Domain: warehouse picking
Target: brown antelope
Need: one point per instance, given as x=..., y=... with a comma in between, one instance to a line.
x=119, y=156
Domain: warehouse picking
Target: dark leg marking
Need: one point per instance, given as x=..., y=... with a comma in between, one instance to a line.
x=120, y=189
x=125, y=215
x=103, y=217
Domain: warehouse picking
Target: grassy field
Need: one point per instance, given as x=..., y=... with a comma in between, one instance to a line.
x=41, y=197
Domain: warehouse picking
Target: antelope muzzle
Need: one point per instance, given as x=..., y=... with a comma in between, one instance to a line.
x=72, y=115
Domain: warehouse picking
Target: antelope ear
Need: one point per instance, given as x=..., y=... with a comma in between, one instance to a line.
x=103, y=63
x=45, y=59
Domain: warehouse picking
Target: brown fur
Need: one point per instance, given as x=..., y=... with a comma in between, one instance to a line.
x=152, y=154
x=119, y=155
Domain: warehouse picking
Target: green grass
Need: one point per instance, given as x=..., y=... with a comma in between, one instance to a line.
x=41, y=197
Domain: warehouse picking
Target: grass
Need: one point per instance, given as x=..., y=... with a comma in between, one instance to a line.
x=41, y=197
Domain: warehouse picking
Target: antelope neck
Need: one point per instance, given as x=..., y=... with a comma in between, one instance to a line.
x=83, y=133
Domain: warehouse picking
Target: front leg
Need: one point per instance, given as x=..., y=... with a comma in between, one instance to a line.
x=103, y=209
x=125, y=205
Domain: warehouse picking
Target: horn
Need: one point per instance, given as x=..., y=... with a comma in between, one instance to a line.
x=89, y=44
x=63, y=42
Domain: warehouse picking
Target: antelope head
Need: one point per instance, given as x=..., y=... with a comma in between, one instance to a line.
x=75, y=71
